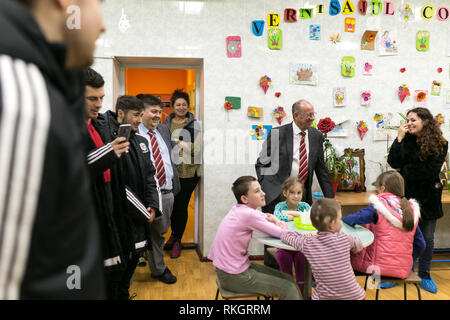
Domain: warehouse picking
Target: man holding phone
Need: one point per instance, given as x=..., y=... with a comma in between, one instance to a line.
x=136, y=195
x=102, y=159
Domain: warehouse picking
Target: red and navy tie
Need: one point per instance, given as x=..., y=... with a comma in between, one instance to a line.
x=157, y=157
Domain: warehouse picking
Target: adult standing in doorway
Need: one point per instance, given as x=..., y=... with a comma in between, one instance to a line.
x=158, y=136
x=419, y=152
x=186, y=134
x=292, y=150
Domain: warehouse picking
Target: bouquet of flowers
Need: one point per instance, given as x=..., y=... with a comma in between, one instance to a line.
x=279, y=114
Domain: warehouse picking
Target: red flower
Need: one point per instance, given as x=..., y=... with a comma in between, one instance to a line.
x=402, y=70
x=228, y=105
x=325, y=125
x=439, y=69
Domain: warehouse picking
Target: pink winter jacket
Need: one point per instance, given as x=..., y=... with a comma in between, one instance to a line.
x=391, y=252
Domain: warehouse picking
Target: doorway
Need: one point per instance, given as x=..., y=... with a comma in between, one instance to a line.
x=160, y=77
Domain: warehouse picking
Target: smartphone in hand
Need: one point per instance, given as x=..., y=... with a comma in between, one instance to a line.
x=124, y=131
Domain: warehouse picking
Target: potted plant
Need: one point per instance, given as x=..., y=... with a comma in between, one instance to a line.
x=334, y=162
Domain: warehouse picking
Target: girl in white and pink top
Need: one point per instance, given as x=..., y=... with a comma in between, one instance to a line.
x=328, y=252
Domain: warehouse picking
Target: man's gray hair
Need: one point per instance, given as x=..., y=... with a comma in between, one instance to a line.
x=296, y=107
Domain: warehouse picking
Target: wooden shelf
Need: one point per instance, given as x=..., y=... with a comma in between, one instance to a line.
x=361, y=198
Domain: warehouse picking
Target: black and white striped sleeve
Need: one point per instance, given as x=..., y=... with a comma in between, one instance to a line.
x=101, y=159
x=25, y=116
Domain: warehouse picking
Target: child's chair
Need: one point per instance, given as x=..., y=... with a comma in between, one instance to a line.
x=413, y=278
x=229, y=295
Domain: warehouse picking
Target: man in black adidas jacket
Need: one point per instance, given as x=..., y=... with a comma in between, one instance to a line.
x=103, y=159
x=136, y=195
x=49, y=245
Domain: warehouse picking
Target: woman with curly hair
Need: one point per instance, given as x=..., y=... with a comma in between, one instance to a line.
x=419, y=152
x=186, y=134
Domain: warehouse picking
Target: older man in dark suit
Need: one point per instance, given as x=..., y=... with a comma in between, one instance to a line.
x=293, y=150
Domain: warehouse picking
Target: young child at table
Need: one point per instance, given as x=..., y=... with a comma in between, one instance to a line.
x=229, y=249
x=328, y=252
x=393, y=220
x=292, y=190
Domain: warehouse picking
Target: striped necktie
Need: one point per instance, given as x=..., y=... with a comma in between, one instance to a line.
x=159, y=164
x=303, y=160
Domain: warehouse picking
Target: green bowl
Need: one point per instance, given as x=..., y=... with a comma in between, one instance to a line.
x=301, y=226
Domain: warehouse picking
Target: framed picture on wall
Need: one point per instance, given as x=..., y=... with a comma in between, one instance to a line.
x=354, y=177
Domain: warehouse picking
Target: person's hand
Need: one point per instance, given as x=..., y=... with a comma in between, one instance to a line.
x=402, y=130
x=152, y=213
x=120, y=145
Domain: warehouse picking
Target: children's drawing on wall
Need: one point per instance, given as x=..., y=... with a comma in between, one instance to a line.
x=338, y=130
x=314, y=32
x=339, y=97
x=274, y=38
x=367, y=68
x=387, y=44
x=407, y=12
x=234, y=47
x=335, y=38
x=447, y=98
x=366, y=98
x=422, y=40
x=382, y=131
x=304, y=74
x=436, y=88
x=368, y=40
x=403, y=92
x=348, y=66
x=421, y=98
x=260, y=132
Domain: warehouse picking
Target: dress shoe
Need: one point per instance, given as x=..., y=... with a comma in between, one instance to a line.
x=166, y=277
x=176, y=250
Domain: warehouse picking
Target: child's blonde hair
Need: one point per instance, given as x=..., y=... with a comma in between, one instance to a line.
x=395, y=184
x=289, y=182
x=324, y=211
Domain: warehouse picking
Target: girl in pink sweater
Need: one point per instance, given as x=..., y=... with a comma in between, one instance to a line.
x=229, y=249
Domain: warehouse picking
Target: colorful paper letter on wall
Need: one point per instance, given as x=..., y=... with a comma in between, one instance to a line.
x=234, y=46
x=274, y=38
x=273, y=20
x=335, y=7
x=348, y=7
x=258, y=27
x=389, y=8
x=348, y=66
x=362, y=5
x=427, y=12
x=306, y=13
x=422, y=40
x=314, y=32
x=442, y=13
x=290, y=15
x=376, y=7
x=349, y=24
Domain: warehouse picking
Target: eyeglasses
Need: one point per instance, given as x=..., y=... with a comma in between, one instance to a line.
x=308, y=115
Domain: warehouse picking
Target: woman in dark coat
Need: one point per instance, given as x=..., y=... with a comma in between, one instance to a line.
x=419, y=152
x=186, y=134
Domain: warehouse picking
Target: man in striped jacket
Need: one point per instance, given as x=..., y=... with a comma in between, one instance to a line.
x=49, y=244
x=136, y=195
x=103, y=158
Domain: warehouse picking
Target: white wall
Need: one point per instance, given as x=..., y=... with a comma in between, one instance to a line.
x=198, y=29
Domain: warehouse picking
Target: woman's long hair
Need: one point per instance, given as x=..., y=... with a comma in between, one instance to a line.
x=430, y=141
x=395, y=184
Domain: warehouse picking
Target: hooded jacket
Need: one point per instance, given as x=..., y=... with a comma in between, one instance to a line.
x=49, y=244
x=391, y=253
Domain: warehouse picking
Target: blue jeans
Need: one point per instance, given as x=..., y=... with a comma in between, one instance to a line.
x=427, y=227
